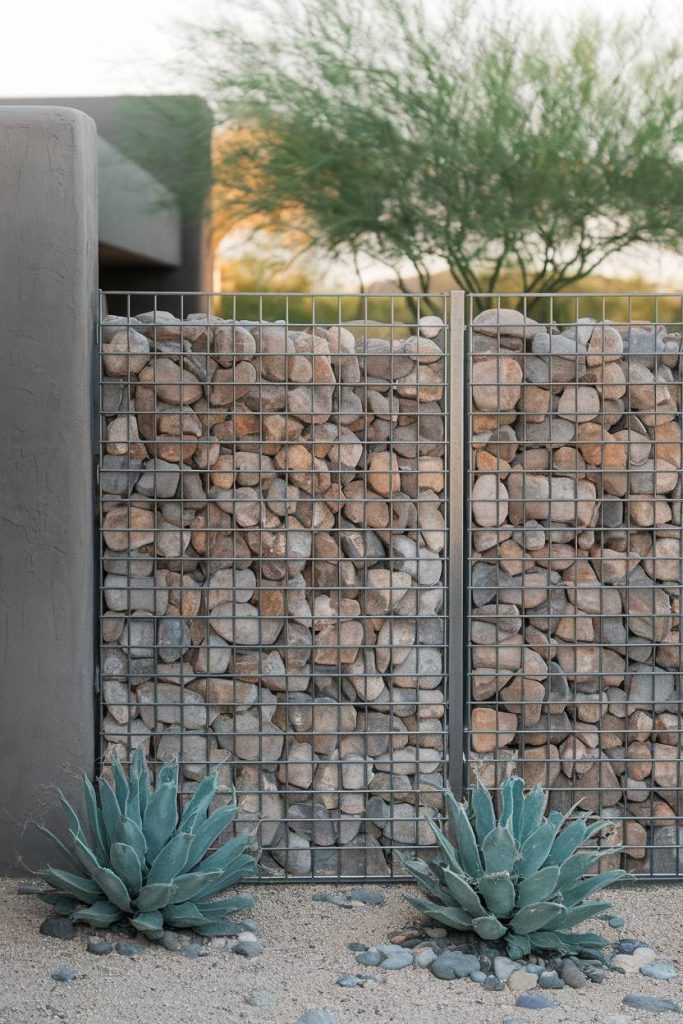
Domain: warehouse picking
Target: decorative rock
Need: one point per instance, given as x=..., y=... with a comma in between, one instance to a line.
x=551, y=980
x=99, y=948
x=63, y=974
x=572, y=976
x=131, y=949
x=452, y=964
x=651, y=1004
x=533, y=1001
x=58, y=928
x=248, y=948
x=521, y=981
x=659, y=971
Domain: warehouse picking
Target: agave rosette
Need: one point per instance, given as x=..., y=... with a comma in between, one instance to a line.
x=145, y=863
x=522, y=878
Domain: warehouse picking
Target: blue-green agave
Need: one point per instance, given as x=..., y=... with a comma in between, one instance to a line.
x=145, y=864
x=521, y=878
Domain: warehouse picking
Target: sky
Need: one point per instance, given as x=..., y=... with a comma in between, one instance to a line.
x=103, y=47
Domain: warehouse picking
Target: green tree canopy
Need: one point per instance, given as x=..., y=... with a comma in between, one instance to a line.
x=380, y=127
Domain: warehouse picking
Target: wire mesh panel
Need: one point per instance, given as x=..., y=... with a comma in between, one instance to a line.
x=575, y=561
x=273, y=551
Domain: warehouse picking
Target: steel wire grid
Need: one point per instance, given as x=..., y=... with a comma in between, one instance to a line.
x=273, y=586
x=575, y=566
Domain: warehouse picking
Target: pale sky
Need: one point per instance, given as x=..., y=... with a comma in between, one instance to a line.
x=101, y=47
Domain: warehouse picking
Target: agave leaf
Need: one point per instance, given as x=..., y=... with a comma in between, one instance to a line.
x=418, y=869
x=535, y=849
x=498, y=892
x=464, y=836
x=506, y=797
x=243, y=867
x=230, y=905
x=499, y=851
x=531, y=814
x=534, y=918
x=574, y=893
x=148, y=923
x=557, y=817
x=155, y=896
x=584, y=911
x=446, y=846
x=86, y=856
x=219, y=928
x=539, y=886
x=517, y=787
x=171, y=860
x=168, y=774
x=484, y=814
x=62, y=847
x=463, y=894
x=184, y=915
x=74, y=822
x=95, y=820
x=579, y=863
x=61, y=904
x=113, y=888
x=517, y=946
x=549, y=940
x=452, y=917
x=126, y=863
x=99, y=915
x=129, y=833
x=201, y=799
x=488, y=927
x=85, y=889
x=569, y=942
x=120, y=782
x=144, y=788
x=188, y=886
x=228, y=852
x=133, y=801
x=567, y=841
x=161, y=818
x=207, y=832
x=111, y=815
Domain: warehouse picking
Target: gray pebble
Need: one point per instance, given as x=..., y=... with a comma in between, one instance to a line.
x=550, y=979
x=333, y=899
x=534, y=1001
x=371, y=897
x=660, y=971
x=572, y=976
x=478, y=976
x=397, y=961
x=653, y=1004
x=192, y=950
x=248, y=949
x=63, y=974
x=453, y=964
x=426, y=958
x=171, y=940
x=616, y=922
x=503, y=967
x=99, y=948
x=261, y=997
x=493, y=984
x=369, y=958
x=58, y=928
x=129, y=948
x=317, y=1017
x=349, y=981
x=30, y=889
x=357, y=947
x=536, y=969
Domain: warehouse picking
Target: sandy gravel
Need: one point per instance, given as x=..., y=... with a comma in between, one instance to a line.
x=305, y=952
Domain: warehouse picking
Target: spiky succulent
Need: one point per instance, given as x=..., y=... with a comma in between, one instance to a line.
x=143, y=863
x=521, y=879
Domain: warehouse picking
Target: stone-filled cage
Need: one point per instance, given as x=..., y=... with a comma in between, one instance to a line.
x=274, y=514
x=574, y=578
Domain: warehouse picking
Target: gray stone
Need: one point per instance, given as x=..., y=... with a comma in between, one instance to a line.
x=572, y=976
x=503, y=967
x=131, y=949
x=369, y=957
x=58, y=928
x=651, y=1004
x=317, y=1017
x=99, y=948
x=533, y=1001
x=63, y=974
x=551, y=980
x=248, y=949
x=397, y=961
x=659, y=971
x=452, y=964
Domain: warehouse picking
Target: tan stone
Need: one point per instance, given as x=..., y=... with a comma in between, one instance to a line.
x=171, y=384
x=605, y=346
x=123, y=438
x=128, y=528
x=639, y=760
x=383, y=475
x=492, y=729
x=579, y=404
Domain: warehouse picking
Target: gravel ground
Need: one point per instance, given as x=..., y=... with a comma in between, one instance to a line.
x=305, y=952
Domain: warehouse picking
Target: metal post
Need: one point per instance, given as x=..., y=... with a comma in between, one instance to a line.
x=456, y=546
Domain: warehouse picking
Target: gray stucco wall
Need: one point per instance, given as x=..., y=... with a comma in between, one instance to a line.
x=48, y=265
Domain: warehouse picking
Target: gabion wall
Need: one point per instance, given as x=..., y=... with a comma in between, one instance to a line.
x=273, y=529
x=575, y=565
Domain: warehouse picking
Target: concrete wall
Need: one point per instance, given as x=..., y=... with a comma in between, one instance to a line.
x=48, y=266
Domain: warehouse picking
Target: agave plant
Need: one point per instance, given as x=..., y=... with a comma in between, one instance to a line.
x=521, y=879
x=143, y=864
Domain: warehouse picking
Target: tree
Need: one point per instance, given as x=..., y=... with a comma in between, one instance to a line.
x=484, y=142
